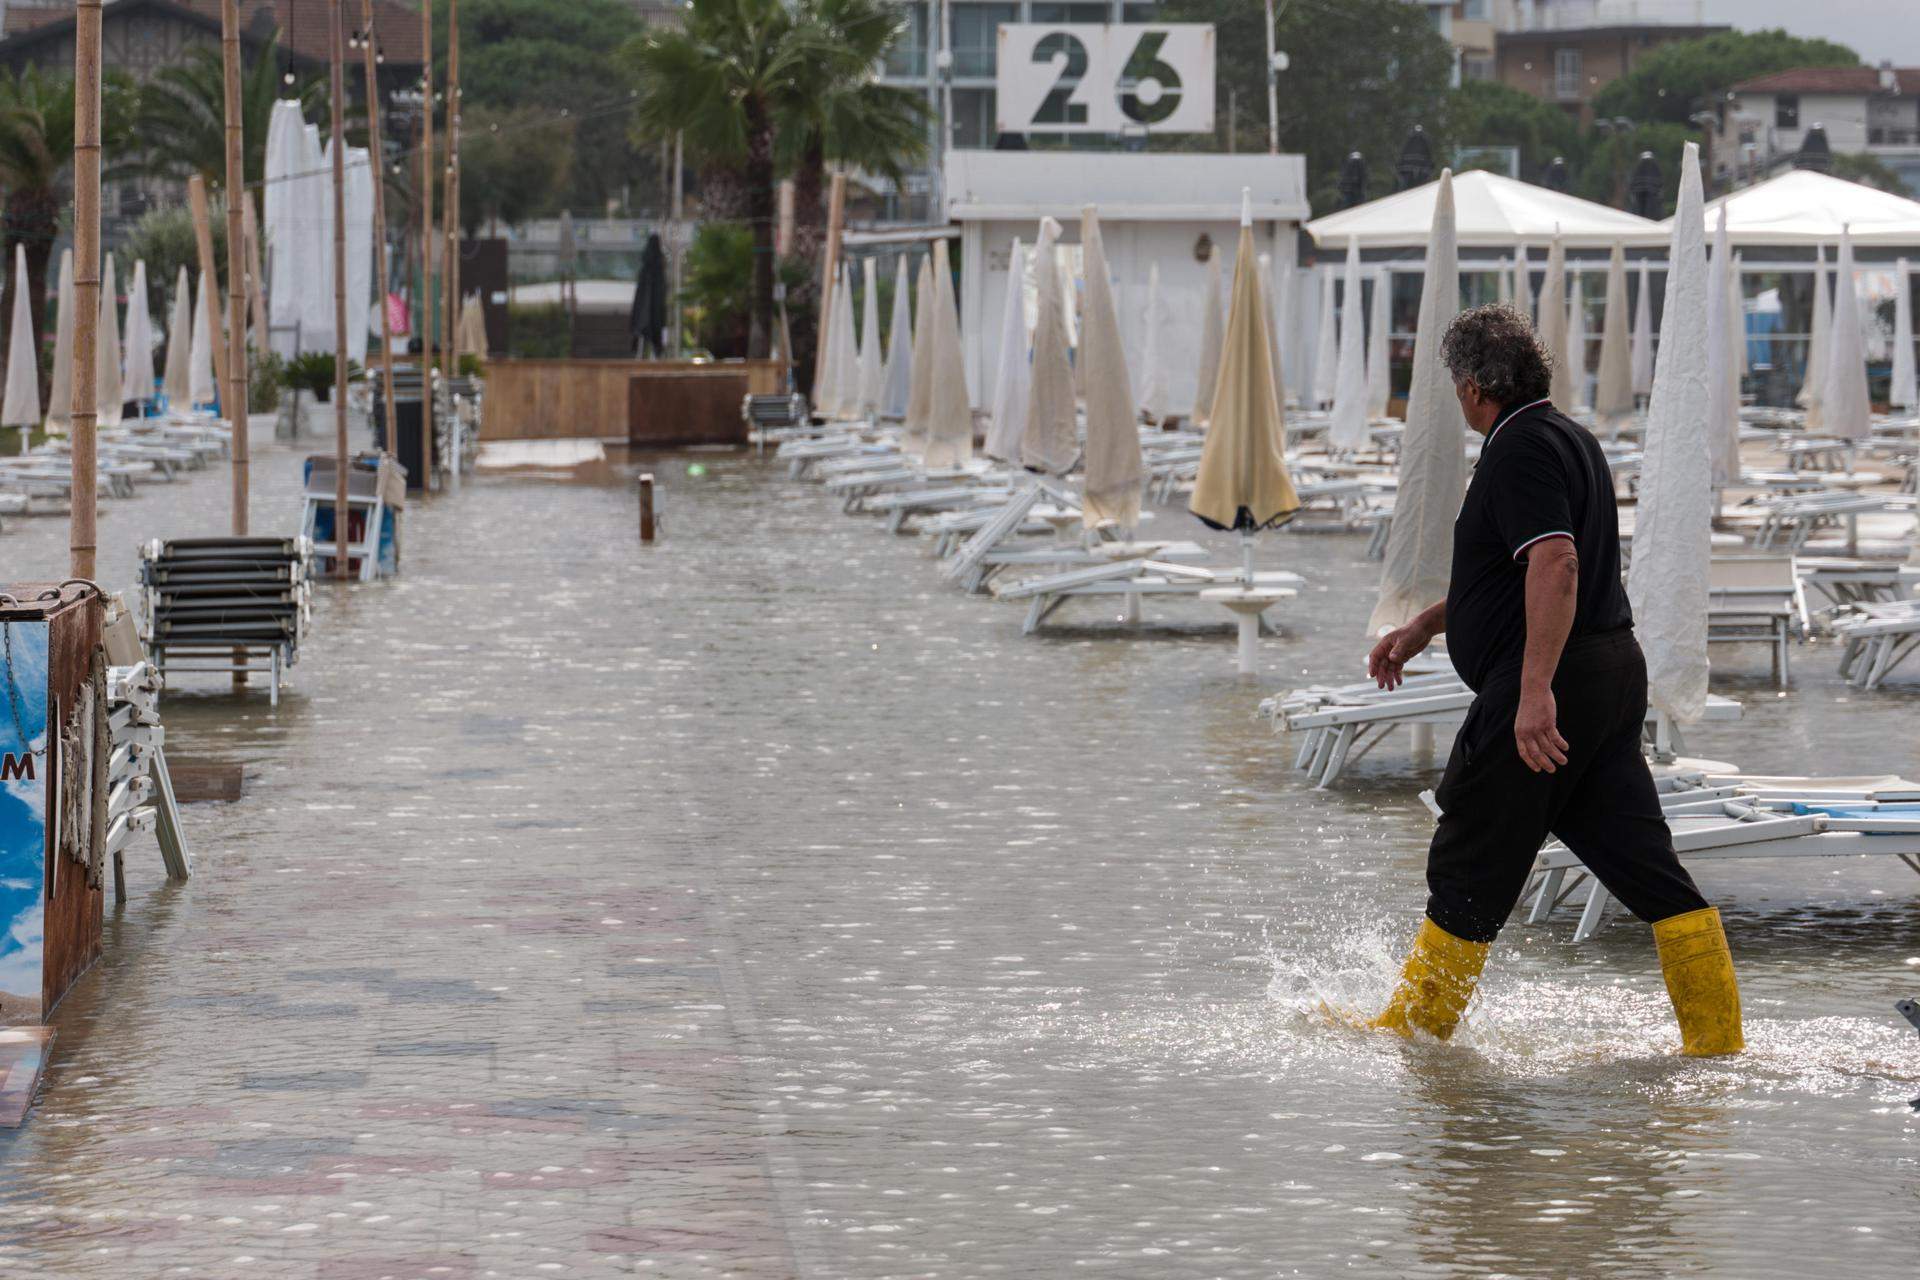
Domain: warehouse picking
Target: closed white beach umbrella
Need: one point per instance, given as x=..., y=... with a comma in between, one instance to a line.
x=1280, y=312
x=1347, y=432
x=1153, y=362
x=177, y=385
x=828, y=395
x=1577, y=337
x=1643, y=334
x=1613, y=393
x=872, y=369
x=1844, y=407
x=200, y=355
x=1737, y=334
x=1273, y=331
x=1672, y=537
x=1208, y=373
x=313, y=224
x=138, y=380
x=847, y=349
x=22, y=406
x=899, y=375
x=286, y=254
x=1552, y=326
x=920, y=386
x=1905, y=394
x=1114, y=473
x=360, y=251
x=1433, y=448
x=107, y=387
x=60, y=392
x=1379, y=325
x=1051, y=442
x=1723, y=375
x=1009, y=420
x=1503, y=284
x=1813, y=384
x=1326, y=343
x=949, y=409
x=1522, y=282
x=1243, y=483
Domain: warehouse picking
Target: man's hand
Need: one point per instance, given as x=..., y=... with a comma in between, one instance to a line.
x=1536, y=733
x=1393, y=652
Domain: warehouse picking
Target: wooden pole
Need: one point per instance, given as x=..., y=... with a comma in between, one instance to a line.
x=427, y=177
x=450, y=264
x=81, y=529
x=203, y=241
x=236, y=398
x=336, y=55
x=377, y=150
x=836, y=215
x=646, y=506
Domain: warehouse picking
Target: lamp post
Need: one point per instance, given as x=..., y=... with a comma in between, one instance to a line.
x=1276, y=63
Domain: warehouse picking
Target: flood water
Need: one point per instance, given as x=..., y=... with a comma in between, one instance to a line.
x=756, y=904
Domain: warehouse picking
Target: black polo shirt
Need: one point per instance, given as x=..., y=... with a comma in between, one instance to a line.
x=1540, y=475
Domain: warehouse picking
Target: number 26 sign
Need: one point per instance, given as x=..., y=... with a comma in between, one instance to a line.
x=1088, y=78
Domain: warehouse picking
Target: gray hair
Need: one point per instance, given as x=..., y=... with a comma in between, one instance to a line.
x=1494, y=348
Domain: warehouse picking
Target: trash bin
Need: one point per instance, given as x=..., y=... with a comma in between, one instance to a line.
x=409, y=406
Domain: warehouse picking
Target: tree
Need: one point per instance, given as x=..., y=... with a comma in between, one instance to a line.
x=1868, y=170
x=725, y=82
x=1362, y=73
x=36, y=158
x=1676, y=80
x=562, y=59
x=182, y=114
x=1482, y=113
x=514, y=164
x=1609, y=163
x=165, y=240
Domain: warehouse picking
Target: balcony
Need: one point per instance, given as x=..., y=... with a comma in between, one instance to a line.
x=1885, y=137
x=1568, y=88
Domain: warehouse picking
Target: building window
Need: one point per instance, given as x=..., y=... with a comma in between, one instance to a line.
x=1567, y=80
x=907, y=57
x=1070, y=13
x=1473, y=11
x=973, y=118
x=1786, y=111
x=976, y=36
x=1476, y=66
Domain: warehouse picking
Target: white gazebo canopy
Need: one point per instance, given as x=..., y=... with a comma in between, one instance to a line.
x=1802, y=208
x=1493, y=211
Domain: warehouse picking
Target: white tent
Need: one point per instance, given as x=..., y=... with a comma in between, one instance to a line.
x=138, y=379
x=1009, y=420
x=1643, y=334
x=1904, y=394
x=1347, y=432
x=22, y=407
x=1493, y=211
x=1379, y=324
x=1803, y=207
x=1844, y=409
x=899, y=376
x=1667, y=579
x=1433, y=450
x=178, y=386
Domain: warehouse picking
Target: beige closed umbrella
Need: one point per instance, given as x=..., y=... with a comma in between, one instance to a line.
x=200, y=354
x=138, y=381
x=920, y=382
x=22, y=407
x=1207, y=376
x=1552, y=327
x=176, y=381
x=1379, y=330
x=949, y=407
x=898, y=378
x=1613, y=394
x=1115, y=471
x=473, y=328
x=109, y=391
x=1153, y=364
x=1243, y=483
x=60, y=393
x=1051, y=442
x=1008, y=421
x=1347, y=432
x=1433, y=448
x=1814, y=383
x=871, y=384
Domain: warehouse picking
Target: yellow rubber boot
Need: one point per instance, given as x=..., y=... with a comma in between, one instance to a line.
x=1435, y=985
x=1699, y=971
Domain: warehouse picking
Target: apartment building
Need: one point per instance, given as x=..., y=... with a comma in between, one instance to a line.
x=1875, y=110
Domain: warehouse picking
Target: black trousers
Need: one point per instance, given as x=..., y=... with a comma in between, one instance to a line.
x=1601, y=803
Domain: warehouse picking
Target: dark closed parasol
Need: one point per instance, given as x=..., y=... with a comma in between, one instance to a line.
x=648, y=320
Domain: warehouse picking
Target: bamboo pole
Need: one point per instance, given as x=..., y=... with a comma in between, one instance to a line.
x=450, y=263
x=377, y=151
x=241, y=450
x=427, y=177
x=81, y=529
x=336, y=54
x=203, y=242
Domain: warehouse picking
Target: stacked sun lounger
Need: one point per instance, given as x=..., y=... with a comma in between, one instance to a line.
x=225, y=604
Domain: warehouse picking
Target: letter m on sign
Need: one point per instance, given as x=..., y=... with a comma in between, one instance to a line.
x=14, y=768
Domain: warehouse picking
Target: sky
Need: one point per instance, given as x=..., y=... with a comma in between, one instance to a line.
x=1874, y=29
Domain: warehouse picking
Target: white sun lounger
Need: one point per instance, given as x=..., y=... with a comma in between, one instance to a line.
x=1876, y=638
x=1724, y=817
x=1132, y=578
x=1840, y=581
x=1757, y=598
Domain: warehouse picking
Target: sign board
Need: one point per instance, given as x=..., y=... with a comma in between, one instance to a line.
x=29, y=802
x=1092, y=78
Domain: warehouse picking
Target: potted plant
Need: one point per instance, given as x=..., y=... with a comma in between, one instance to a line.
x=310, y=378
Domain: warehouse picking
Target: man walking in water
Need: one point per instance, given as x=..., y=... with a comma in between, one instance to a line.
x=1538, y=625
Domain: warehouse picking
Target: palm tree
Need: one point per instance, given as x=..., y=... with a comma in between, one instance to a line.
x=182, y=115
x=36, y=156
x=726, y=81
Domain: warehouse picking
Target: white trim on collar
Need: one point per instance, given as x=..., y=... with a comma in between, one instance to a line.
x=1514, y=414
